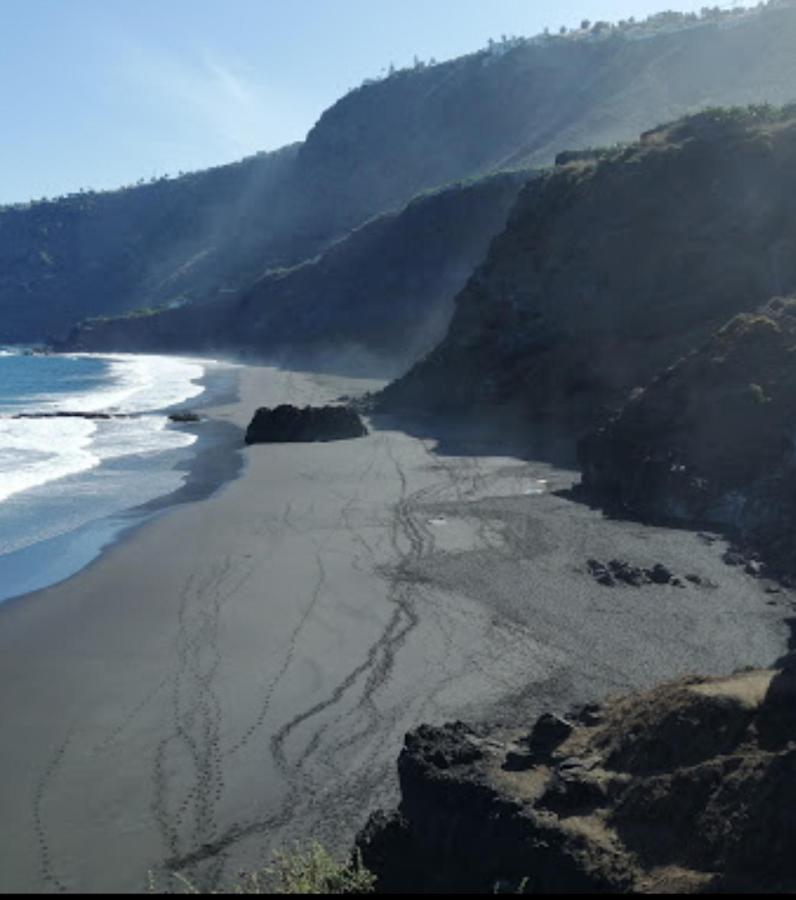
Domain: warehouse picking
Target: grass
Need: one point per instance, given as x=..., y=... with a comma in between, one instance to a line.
x=310, y=870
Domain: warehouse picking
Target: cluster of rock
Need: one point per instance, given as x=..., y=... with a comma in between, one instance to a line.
x=70, y=414
x=687, y=788
x=618, y=571
x=289, y=424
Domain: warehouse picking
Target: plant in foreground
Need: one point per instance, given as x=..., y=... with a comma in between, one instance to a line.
x=302, y=871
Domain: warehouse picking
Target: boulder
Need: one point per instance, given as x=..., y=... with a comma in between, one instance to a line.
x=289, y=424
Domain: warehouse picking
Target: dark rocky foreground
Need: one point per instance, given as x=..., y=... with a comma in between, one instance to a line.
x=289, y=424
x=686, y=788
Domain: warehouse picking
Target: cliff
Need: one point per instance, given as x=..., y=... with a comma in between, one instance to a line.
x=613, y=266
x=201, y=237
x=688, y=788
x=385, y=292
x=711, y=439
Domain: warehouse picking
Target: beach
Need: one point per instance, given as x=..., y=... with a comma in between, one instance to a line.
x=238, y=673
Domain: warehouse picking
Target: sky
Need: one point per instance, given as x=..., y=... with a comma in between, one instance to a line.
x=99, y=93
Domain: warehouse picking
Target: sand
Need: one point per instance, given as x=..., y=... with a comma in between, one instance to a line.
x=239, y=672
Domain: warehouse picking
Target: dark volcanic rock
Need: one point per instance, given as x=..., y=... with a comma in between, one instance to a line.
x=70, y=415
x=659, y=574
x=549, y=732
x=710, y=441
x=686, y=788
x=289, y=424
x=618, y=571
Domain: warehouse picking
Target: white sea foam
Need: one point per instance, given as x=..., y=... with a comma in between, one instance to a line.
x=136, y=384
x=147, y=434
x=36, y=451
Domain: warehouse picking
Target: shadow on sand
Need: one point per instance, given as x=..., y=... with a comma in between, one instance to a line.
x=481, y=435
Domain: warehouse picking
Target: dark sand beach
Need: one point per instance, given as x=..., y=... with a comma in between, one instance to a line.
x=239, y=672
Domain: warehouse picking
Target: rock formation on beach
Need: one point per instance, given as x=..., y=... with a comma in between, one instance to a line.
x=289, y=424
x=687, y=788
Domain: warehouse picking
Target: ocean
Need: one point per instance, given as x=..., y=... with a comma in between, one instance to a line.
x=68, y=484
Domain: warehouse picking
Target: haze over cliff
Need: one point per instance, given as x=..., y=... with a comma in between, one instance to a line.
x=614, y=265
x=511, y=106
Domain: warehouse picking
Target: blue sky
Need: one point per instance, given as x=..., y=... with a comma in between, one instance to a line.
x=97, y=93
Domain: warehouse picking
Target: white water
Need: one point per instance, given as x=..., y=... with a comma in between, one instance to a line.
x=136, y=384
x=34, y=452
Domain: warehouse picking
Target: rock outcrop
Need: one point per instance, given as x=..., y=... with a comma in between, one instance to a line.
x=289, y=424
x=614, y=266
x=711, y=440
x=687, y=788
x=620, y=572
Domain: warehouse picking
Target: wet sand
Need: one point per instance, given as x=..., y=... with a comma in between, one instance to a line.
x=240, y=672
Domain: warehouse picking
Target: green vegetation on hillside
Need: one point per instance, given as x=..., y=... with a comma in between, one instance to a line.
x=517, y=104
x=613, y=265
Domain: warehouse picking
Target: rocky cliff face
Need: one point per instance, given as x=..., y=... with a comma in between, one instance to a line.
x=204, y=236
x=614, y=266
x=384, y=293
x=688, y=788
x=712, y=439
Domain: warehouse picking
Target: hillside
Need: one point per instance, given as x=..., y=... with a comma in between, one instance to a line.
x=711, y=439
x=382, y=296
x=686, y=788
x=613, y=266
x=514, y=105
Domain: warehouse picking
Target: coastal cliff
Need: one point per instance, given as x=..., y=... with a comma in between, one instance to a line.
x=382, y=295
x=710, y=441
x=201, y=237
x=614, y=266
x=687, y=788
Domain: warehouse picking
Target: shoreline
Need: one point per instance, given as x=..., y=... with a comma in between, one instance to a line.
x=240, y=673
x=209, y=468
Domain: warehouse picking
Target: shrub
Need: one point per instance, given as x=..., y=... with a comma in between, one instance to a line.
x=302, y=871
x=314, y=871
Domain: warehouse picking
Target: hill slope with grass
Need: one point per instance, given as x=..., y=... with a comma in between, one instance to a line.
x=201, y=237
x=686, y=788
x=614, y=266
x=380, y=297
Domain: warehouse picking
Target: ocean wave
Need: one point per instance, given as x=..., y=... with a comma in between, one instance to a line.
x=35, y=451
x=147, y=434
x=136, y=384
